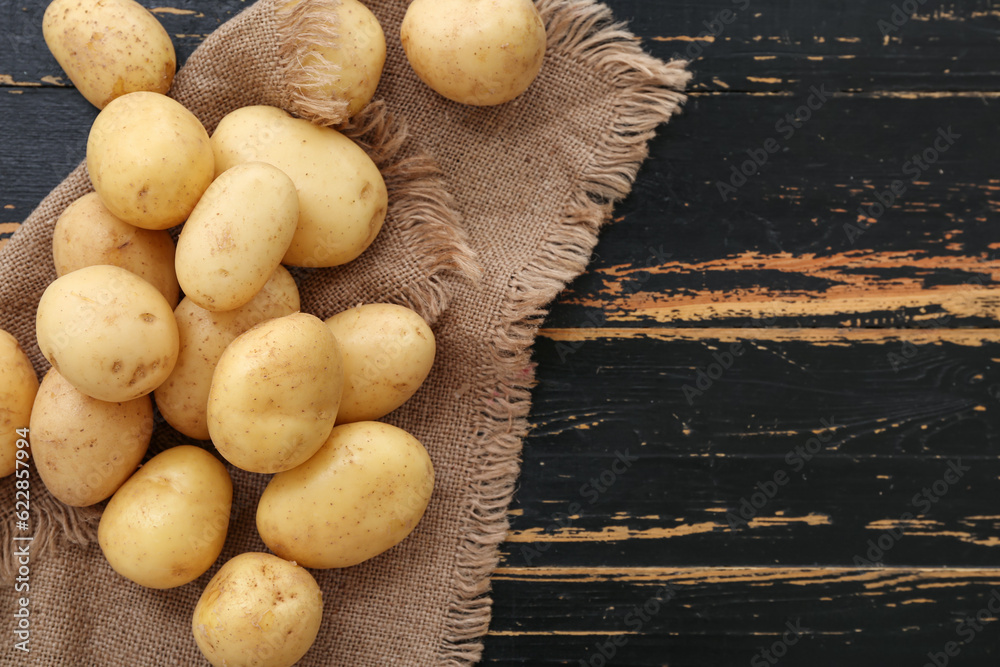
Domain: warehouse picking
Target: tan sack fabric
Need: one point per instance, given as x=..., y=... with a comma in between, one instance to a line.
x=492, y=212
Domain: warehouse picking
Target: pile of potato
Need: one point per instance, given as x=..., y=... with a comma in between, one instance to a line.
x=235, y=361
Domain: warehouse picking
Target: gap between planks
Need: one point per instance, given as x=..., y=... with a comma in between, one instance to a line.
x=818, y=336
x=869, y=578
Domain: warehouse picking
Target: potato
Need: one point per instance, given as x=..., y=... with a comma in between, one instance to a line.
x=204, y=336
x=388, y=351
x=166, y=525
x=236, y=235
x=362, y=493
x=83, y=448
x=275, y=394
x=109, y=48
x=18, y=386
x=87, y=234
x=149, y=159
x=342, y=196
x=348, y=68
x=111, y=334
x=478, y=52
x=259, y=610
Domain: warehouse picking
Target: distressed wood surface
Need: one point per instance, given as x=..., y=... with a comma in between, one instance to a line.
x=767, y=422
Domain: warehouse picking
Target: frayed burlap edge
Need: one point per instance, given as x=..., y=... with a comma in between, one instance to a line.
x=420, y=202
x=423, y=211
x=650, y=93
x=304, y=28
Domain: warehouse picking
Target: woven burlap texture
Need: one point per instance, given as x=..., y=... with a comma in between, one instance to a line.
x=492, y=212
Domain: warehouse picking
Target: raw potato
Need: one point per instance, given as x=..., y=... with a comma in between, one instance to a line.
x=350, y=68
x=166, y=525
x=111, y=334
x=109, y=48
x=204, y=336
x=478, y=52
x=87, y=234
x=236, y=236
x=388, y=351
x=275, y=394
x=365, y=490
x=342, y=196
x=18, y=386
x=258, y=610
x=149, y=159
x=83, y=448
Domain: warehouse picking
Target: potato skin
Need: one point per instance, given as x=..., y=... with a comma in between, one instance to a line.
x=109, y=48
x=110, y=333
x=166, y=525
x=476, y=52
x=366, y=489
x=87, y=234
x=236, y=235
x=18, y=387
x=227, y=621
x=388, y=351
x=342, y=196
x=83, y=448
x=149, y=159
x=183, y=397
x=275, y=394
x=350, y=68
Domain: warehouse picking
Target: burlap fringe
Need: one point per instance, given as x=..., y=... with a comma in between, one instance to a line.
x=586, y=33
x=303, y=29
x=422, y=208
x=52, y=524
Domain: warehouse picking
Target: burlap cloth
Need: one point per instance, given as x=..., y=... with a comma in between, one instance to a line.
x=479, y=247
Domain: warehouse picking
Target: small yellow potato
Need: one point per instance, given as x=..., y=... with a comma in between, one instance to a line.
x=362, y=493
x=342, y=196
x=183, y=397
x=167, y=523
x=109, y=48
x=87, y=234
x=236, y=235
x=110, y=333
x=18, y=386
x=258, y=610
x=83, y=448
x=349, y=68
x=149, y=159
x=477, y=52
x=388, y=351
x=275, y=394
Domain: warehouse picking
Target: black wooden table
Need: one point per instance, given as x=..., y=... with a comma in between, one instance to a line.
x=766, y=425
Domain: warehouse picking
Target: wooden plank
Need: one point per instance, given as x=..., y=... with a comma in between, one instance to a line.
x=625, y=464
x=726, y=616
x=761, y=47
